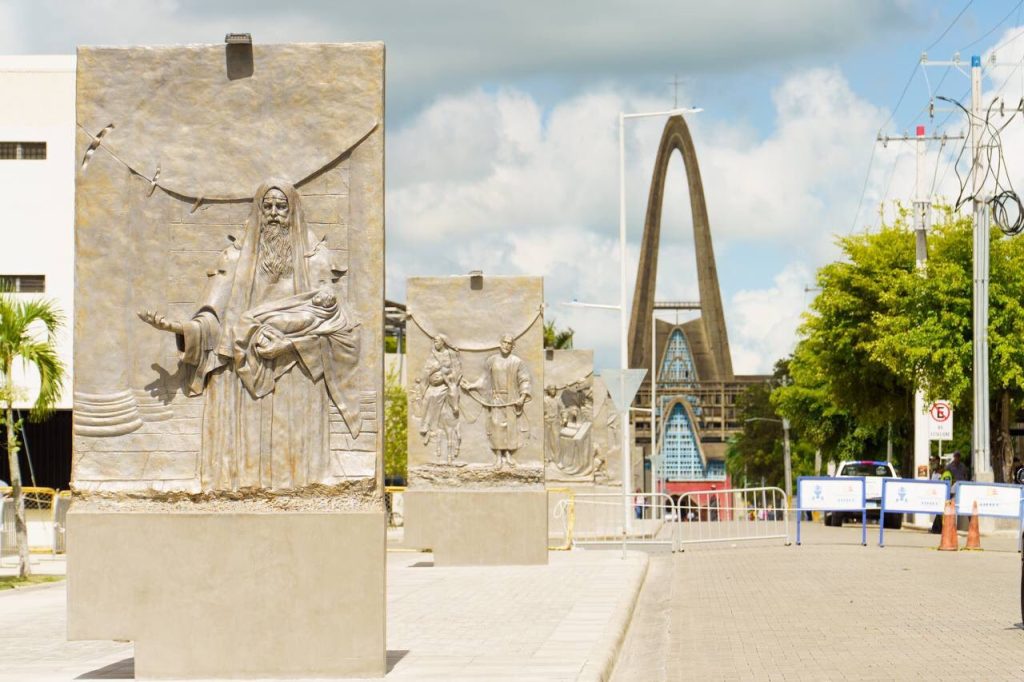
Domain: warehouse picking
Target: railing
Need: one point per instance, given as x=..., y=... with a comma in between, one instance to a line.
x=8, y=540
x=561, y=518
x=732, y=515
x=708, y=516
x=61, y=504
x=394, y=505
x=598, y=519
x=40, y=504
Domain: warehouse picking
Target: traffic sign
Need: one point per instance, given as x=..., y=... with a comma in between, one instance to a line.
x=622, y=385
x=940, y=420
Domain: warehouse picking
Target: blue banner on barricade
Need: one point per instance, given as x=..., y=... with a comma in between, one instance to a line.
x=825, y=493
x=911, y=496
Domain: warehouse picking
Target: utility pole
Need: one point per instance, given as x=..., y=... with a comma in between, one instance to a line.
x=922, y=223
x=980, y=449
x=980, y=458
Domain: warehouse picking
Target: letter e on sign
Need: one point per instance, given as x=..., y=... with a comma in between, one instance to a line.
x=940, y=421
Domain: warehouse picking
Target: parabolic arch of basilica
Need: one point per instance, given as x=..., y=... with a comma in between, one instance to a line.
x=697, y=388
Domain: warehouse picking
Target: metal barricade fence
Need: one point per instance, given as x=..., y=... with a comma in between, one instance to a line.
x=598, y=519
x=561, y=518
x=61, y=504
x=8, y=541
x=732, y=515
x=394, y=505
x=39, y=504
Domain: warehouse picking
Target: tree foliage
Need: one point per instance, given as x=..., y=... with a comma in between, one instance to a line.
x=555, y=338
x=756, y=453
x=396, y=408
x=880, y=328
x=925, y=337
x=28, y=332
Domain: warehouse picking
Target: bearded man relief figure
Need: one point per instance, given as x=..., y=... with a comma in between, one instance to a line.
x=271, y=347
x=507, y=388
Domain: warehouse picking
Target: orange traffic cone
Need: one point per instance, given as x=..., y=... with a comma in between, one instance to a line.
x=949, y=539
x=973, y=534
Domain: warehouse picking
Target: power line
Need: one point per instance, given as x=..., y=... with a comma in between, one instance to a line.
x=892, y=114
x=993, y=29
x=863, y=190
x=951, y=24
x=888, y=186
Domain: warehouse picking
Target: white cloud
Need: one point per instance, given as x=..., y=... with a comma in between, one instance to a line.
x=493, y=180
x=451, y=45
x=762, y=322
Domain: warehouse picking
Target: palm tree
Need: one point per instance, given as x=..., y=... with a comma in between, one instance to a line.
x=558, y=339
x=19, y=321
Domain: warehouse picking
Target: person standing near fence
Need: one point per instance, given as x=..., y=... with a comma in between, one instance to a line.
x=937, y=473
x=638, y=504
x=713, y=504
x=957, y=468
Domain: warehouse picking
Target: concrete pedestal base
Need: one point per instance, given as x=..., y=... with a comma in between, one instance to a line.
x=485, y=528
x=278, y=594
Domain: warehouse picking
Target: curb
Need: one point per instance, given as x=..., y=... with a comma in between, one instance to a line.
x=599, y=667
x=32, y=588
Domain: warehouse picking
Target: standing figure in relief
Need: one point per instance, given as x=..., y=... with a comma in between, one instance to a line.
x=508, y=382
x=439, y=404
x=552, y=423
x=270, y=347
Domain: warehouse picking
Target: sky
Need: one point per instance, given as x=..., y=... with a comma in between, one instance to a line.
x=501, y=129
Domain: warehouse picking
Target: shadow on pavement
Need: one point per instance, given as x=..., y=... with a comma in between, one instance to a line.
x=122, y=670
x=394, y=656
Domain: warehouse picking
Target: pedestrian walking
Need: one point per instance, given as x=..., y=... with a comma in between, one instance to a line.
x=958, y=469
x=713, y=504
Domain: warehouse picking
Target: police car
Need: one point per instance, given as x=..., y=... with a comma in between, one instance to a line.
x=874, y=472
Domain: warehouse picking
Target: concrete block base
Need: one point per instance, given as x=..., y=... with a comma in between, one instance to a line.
x=220, y=595
x=478, y=528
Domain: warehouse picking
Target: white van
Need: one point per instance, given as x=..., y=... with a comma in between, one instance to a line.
x=873, y=472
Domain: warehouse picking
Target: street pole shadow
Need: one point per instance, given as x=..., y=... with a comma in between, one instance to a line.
x=122, y=670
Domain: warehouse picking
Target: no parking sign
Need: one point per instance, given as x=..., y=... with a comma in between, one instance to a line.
x=940, y=421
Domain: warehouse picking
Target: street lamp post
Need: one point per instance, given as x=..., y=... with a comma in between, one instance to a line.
x=787, y=458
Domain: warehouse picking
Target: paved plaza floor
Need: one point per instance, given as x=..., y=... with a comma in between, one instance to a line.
x=563, y=621
x=829, y=609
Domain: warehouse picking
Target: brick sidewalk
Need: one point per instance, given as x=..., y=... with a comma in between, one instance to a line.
x=833, y=610
x=563, y=621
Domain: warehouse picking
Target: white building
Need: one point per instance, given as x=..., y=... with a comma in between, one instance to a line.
x=37, y=174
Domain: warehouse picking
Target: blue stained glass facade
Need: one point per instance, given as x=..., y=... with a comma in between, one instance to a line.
x=679, y=447
x=679, y=441
x=677, y=364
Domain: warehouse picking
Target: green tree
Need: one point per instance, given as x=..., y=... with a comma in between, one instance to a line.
x=558, y=339
x=20, y=320
x=396, y=408
x=925, y=334
x=756, y=453
x=843, y=397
